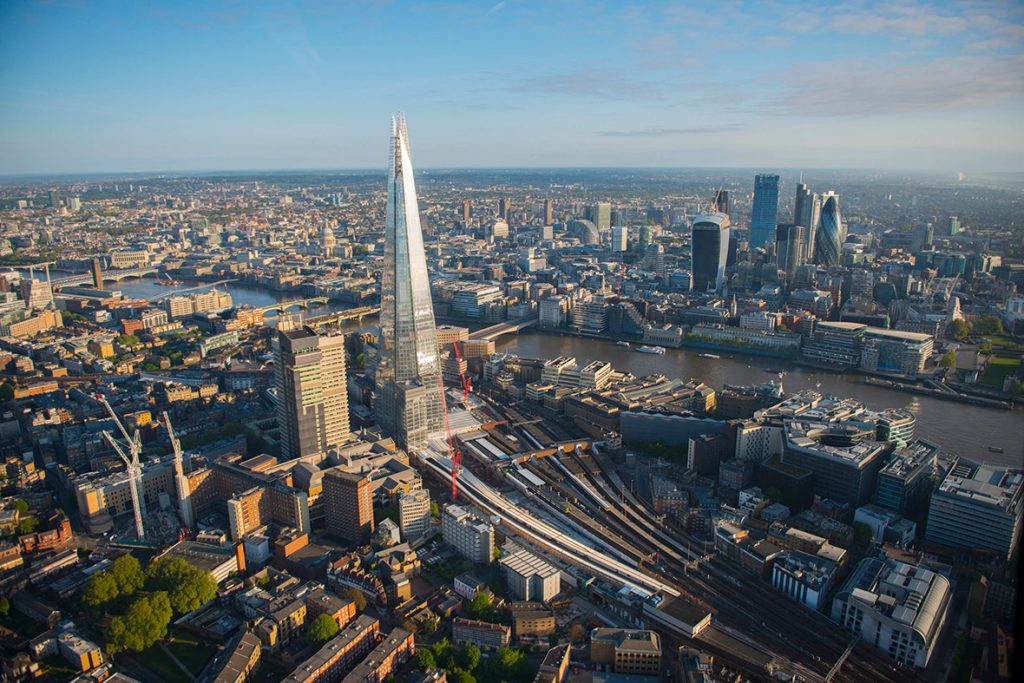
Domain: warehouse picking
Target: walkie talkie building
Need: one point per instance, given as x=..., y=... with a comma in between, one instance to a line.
x=409, y=396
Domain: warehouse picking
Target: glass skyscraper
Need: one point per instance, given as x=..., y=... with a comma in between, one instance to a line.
x=764, y=215
x=807, y=212
x=408, y=373
x=828, y=245
x=710, y=250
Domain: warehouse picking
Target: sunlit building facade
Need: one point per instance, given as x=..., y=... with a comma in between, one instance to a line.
x=408, y=375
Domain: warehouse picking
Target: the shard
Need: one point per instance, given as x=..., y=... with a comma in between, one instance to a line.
x=409, y=395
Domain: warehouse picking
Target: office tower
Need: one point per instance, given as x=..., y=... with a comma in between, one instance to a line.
x=828, y=244
x=954, y=226
x=414, y=514
x=922, y=238
x=467, y=211
x=312, y=408
x=497, y=230
x=764, y=215
x=97, y=274
x=601, y=214
x=408, y=372
x=710, y=250
x=549, y=211
x=620, y=238
x=503, y=207
x=802, y=204
x=810, y=217
x=789, y=248
x=348, y=505
x=54, y=199
x=646, y=235
x=977, y=506
x=75, y=203
x=722, y=203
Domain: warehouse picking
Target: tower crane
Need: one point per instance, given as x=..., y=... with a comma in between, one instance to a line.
x=133, y=445
x=181, y=484
x=467, y=386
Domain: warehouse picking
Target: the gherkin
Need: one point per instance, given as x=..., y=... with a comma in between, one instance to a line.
x=828, y=244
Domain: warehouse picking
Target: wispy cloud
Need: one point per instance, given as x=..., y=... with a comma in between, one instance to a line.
x=659, y=132
x=871, y=87
x=495, y=8
x=595, y=83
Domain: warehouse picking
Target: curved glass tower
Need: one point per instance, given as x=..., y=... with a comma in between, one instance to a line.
x=828, y=243
x=710, y=250
x=409, y=391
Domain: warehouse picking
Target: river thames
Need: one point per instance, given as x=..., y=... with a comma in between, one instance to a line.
x=960, y=429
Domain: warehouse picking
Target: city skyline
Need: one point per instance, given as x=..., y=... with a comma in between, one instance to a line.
x=246, y=87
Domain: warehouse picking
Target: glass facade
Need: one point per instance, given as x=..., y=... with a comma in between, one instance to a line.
x=710, y=250
x=409, y=400
x=831, y=233
x=765, y=213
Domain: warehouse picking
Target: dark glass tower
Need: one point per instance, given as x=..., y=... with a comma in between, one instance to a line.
x=765, y=213
x=710, y=250
x=409, y=401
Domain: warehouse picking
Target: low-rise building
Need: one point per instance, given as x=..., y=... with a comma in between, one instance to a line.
x=480, y=633
x=626, y=651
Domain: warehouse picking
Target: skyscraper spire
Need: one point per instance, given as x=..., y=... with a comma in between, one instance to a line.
x=409, y=391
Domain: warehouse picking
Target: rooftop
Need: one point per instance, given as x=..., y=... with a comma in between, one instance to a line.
x=984, y=484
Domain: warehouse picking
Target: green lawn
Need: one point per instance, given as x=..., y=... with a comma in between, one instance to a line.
x=1007, y=343
x=997, y=370
x=157, y=661
x=192, y=653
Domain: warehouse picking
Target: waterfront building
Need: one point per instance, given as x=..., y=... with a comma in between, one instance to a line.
x=472, y=299
x=831, y=233
x=408, y=369
x=764, y=215
x=709, y=251
x=553, y=311
x=904, y=353
x=312, y=407
x=472, y=537
x=835, y=344
x=348, y=505
x=977, y=506
x=899, y=608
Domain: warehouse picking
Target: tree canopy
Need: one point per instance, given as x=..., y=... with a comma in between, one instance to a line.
x=356, y=596
x=188, y=588
x=145, y=623
x=321, y=630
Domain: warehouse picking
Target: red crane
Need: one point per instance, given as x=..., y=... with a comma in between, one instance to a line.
x=467, y=386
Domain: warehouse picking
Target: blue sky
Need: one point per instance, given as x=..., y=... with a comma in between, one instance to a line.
x=98, y=85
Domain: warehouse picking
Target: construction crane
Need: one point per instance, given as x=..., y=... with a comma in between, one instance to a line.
x=133, y=445
x=467, y=386
x=453, y=451
x=181, y=484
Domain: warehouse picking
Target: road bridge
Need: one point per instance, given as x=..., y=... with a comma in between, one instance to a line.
x=107, y=275
x=508, y=327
